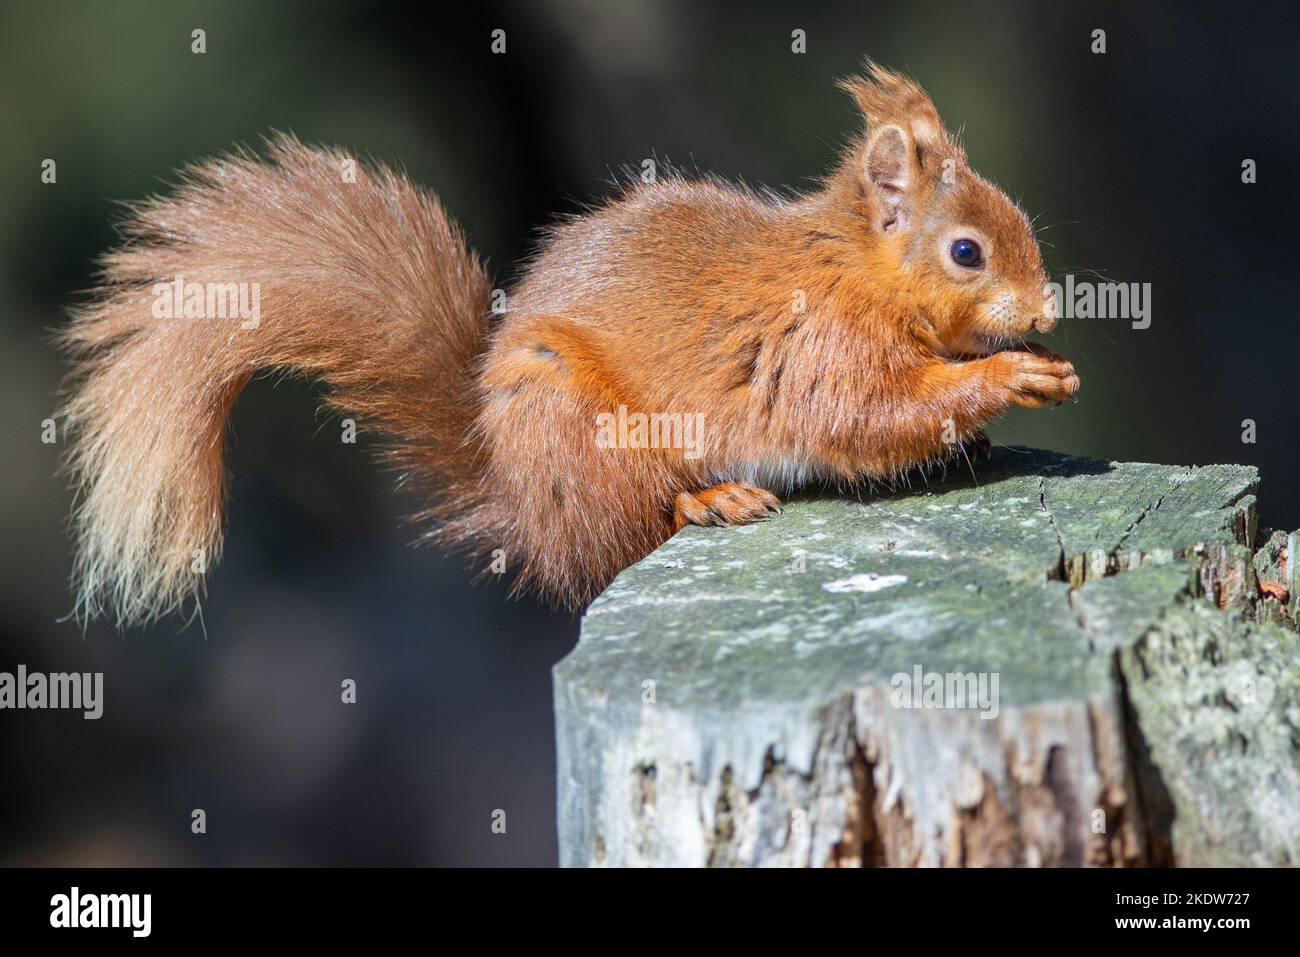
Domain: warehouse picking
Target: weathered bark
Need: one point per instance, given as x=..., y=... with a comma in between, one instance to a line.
x=735, y=698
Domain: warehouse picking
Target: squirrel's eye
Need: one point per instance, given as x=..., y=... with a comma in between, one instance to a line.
x=966, y=252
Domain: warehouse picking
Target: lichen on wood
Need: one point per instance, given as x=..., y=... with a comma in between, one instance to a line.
x=742, y=697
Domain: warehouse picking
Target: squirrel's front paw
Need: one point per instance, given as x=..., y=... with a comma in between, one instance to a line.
x=731, y=503
x=1034, y=377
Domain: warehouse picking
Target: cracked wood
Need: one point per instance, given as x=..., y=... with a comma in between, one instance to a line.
x=729, y=702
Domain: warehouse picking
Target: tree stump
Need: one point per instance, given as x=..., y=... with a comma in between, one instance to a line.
x=1061, y=662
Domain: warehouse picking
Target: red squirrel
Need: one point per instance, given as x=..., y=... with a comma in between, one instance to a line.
x=848, y=335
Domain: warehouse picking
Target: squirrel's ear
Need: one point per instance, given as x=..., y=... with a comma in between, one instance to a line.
x=890, y=174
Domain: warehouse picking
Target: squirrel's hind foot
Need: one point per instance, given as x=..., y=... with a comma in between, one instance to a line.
x=731, y=503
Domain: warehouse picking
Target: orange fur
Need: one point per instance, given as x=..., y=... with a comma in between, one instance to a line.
x=366, y=285
x=679, y=297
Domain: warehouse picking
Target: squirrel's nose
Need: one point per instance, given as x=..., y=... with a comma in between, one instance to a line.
x=1047, y=321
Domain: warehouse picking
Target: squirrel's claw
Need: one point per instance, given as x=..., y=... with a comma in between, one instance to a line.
x=731, y=503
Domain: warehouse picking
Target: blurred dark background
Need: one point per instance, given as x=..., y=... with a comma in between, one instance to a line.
x=1133, y=157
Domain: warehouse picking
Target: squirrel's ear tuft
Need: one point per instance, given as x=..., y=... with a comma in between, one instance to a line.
x=890, y=172
x=884, y=97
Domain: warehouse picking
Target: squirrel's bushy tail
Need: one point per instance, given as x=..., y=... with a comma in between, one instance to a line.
x=321, y=267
